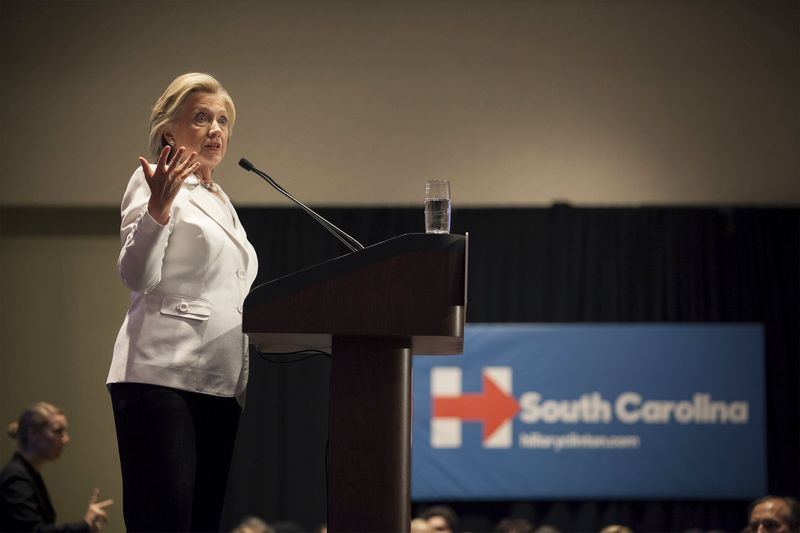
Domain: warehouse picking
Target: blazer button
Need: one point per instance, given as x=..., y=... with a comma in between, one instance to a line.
x=241, y=273
x=183, y=307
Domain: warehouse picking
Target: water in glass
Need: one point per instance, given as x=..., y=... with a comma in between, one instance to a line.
x=437, y=215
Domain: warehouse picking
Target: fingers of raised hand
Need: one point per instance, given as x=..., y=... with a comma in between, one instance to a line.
x=174, y=162
x=148, y=173
x=97, y=514
x=103, y=504
x=186, y=166
x=162, y=158
x=166, y=179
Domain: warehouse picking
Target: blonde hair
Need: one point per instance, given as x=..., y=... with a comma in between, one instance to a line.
x=171, y=102
x=36, y=416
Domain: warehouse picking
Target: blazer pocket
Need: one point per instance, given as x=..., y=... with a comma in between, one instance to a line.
x=183, y=307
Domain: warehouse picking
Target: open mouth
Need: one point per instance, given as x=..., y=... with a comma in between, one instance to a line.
x=215, y=147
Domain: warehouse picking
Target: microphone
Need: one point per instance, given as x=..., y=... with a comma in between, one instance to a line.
x=346, y=239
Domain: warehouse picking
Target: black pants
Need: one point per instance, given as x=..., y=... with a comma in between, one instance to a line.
x=175, y=450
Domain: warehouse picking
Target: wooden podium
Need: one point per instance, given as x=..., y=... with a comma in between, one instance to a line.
x=372, y=309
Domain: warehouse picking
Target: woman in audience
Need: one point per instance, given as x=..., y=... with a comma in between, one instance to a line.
x=41, y=434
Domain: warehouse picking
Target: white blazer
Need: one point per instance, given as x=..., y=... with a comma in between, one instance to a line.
x=188, y=280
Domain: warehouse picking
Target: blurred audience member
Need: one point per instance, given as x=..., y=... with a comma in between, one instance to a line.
x=41, y=434
x=420, y=525
x=441, y=518
x=253, y=524
x=774, y=514
x=616, y=528
x=513, y=525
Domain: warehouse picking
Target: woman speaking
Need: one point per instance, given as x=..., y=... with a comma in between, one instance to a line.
x=180, y=358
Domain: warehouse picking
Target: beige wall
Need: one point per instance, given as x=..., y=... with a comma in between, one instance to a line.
x=359, y=102
x=605, y=102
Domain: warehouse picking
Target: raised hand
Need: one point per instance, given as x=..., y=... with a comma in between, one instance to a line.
x=166, y=179
x=95, y=515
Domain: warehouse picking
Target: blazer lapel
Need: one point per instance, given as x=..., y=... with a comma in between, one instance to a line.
x=221, y=214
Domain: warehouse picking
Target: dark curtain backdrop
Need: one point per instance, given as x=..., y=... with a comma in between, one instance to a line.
x=557, y=264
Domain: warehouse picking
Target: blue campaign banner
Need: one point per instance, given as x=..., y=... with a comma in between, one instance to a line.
x=592, y=411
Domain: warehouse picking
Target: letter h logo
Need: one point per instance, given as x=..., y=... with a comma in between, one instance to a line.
x=494, y=407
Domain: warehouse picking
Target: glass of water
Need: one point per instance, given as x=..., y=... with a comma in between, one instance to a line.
x=437, y=206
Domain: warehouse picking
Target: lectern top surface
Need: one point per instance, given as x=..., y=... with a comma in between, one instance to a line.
x=403, y=244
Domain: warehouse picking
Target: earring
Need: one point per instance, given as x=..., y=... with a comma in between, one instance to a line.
x=170, y=142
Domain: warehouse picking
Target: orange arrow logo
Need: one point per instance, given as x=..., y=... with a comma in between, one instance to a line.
x=493, y=407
